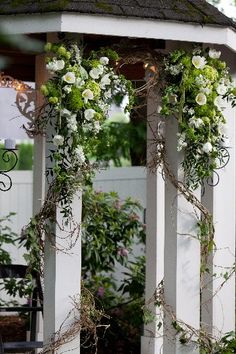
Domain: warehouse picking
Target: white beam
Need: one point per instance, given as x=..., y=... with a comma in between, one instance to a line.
x=119, y=26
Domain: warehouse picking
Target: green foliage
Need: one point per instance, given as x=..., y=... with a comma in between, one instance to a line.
x=117, y=142
x=7, y=237
x=25, y=157
x=109, y=228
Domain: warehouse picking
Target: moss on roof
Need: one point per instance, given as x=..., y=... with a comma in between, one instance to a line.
x=193, y=11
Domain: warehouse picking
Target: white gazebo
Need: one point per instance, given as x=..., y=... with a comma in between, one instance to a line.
x=171, y=254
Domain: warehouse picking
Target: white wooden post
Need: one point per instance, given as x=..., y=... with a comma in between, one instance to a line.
x=39, y=160
x=182, y=255
x=62, y=270
x=152, y=340
x=218, y=304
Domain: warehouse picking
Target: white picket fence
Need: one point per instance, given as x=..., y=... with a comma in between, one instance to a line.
x=127, y=182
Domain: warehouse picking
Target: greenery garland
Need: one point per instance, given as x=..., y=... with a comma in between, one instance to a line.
x=80, y=94
x=197, y=85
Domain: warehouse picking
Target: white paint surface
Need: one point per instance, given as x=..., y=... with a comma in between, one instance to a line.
x=118, y=26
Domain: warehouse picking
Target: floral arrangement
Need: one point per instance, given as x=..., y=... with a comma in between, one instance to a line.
x=197, y=86
x=80, y=92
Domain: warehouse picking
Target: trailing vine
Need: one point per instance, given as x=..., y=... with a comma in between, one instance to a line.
x=79, y=94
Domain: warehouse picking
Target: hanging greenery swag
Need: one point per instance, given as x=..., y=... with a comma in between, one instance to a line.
x=195, y=87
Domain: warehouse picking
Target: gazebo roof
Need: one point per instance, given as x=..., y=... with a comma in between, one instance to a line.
x=191, y=11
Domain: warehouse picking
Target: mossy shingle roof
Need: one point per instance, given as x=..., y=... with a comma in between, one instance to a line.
x=193, y=11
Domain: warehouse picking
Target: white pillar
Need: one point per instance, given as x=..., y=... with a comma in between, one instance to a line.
x=62, y=276
x=39, y=161
x=218, y=305
x=152, y=340
x=62, y=270
x=182, y=255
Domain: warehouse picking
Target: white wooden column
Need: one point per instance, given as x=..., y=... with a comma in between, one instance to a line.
x=218, y=304
x=152, y=340
x=39, y=161
x=62, y=271
x=182, y=255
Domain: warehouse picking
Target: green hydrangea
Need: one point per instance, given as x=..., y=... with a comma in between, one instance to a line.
x=95, y=88
x=210, y=73
x=74, y=99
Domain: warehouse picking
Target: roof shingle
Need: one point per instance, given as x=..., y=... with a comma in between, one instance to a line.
x=193, y=11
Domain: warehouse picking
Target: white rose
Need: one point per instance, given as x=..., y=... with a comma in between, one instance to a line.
x=104, y=60
x=69, y=77
x=198, y=61
x=87, y=94
x=221, y=89
x=207, y=147
x=58, y=140
x=214, y=54
x=201, y=99
x=89, y=114
x=105, y=81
